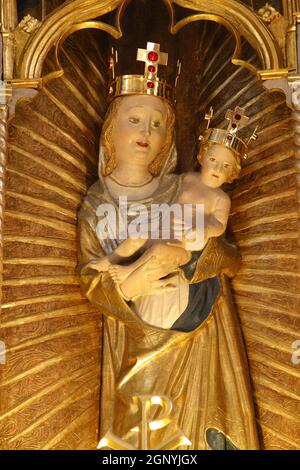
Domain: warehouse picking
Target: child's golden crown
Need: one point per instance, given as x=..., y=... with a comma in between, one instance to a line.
x=229, y=137
x=147, y=84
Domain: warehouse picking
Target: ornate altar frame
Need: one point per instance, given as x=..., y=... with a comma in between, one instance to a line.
x=23, y=70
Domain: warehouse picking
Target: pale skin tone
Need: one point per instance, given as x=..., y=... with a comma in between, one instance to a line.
x=138, y=135
x=218, y=164
x=200, y=188
x=139, y=132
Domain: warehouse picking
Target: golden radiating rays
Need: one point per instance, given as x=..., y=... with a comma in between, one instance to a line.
x=264, y=180
x=222, y=86
x=50, y=187
x=67, y=332
x=267, y=272
x=79, y=421
x=273, y=385
x=271, y=256
x=277, y=125
x=255, y=240
x=265, y=307
x=39, y=280
x=83, y=100
x=53, y=223
x=269, y=145
x=220, y=112
x=57, y=191
x=258, y=289
x=65, y=110
x=219, y=54
x=50, y=261
x=94, y=92
x=277, y=365
x=281, y=409
x=66, y=245
x=94, y=42
x=256, y=100
x=76, y=310
x=94, y=68
x=266, y=110
x=275, y=157
x=49, y=145
x=265, y=196
x=68, y=297
x=259, y=322
x=72, y=399
x=288, y=194
x=264, y=340
x=77, y=374
x=210, y=80
x=76, y=185
x=266, y=219
x=275, y=440
x=41, y=203
x=69, y=138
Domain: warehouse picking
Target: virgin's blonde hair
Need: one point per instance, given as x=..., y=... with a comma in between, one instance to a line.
x=235, y=170
x=109, y=152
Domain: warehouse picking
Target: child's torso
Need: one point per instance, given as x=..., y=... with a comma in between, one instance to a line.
x=193, y=191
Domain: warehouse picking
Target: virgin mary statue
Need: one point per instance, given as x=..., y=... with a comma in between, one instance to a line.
x=175, y=346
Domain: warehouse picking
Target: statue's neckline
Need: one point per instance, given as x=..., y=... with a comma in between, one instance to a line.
x=140, y=185
x=133, y=193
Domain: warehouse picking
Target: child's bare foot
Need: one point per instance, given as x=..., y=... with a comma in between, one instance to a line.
x=119, y=273
x=99, y=265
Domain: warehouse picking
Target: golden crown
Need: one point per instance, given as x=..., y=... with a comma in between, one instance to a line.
x=228, y=137
x=147, y=84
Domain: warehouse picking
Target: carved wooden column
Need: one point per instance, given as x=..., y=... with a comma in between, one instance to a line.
x=289, y=8
x=295, y=86
x=9, y=21
x=3, y=160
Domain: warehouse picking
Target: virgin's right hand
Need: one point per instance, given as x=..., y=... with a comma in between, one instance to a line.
x=138, y=284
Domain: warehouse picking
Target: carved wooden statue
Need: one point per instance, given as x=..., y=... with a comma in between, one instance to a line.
x=188, y=348
x=159, y=348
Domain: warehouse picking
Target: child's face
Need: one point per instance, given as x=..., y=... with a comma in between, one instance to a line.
x=217, y=166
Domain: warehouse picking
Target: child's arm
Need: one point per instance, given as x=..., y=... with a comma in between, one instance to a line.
x=215, y=223
x=126, y=249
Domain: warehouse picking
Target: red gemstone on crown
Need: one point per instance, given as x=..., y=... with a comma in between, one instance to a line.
x=233, y=126
x=153, y=56
x=229, y=137
x=237, y=117
x=150, y=84
x=151, y=69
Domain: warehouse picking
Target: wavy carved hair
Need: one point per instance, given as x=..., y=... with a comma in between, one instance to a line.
x=236, y=169
x=109, y=152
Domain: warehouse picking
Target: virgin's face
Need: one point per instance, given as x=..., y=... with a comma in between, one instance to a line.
x=140, y=129
x=217, y=166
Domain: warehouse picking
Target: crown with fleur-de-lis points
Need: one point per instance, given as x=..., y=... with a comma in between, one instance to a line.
x=229, y=137
x=147, y=84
